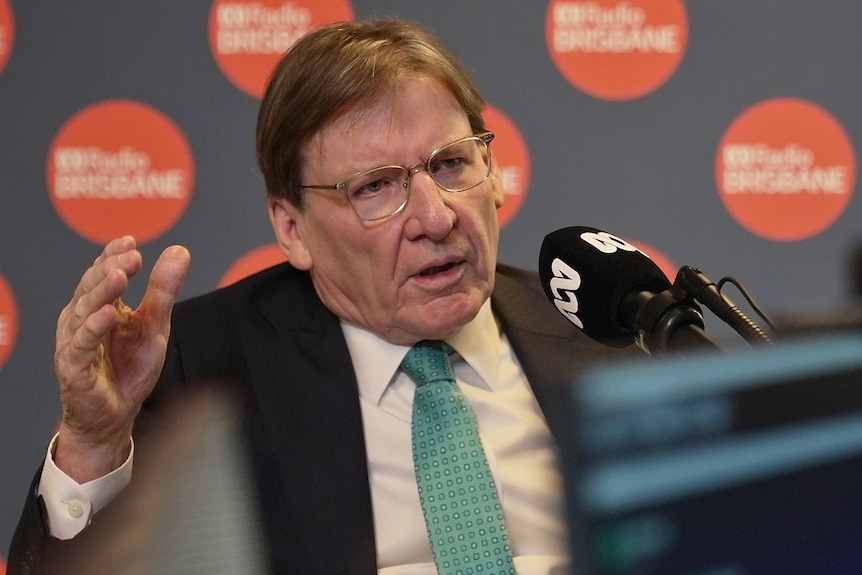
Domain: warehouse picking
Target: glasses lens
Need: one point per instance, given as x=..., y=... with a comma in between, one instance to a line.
x=461, y=165
x=377, y=193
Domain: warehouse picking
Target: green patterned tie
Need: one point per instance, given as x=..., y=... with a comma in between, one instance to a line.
x=459, y=500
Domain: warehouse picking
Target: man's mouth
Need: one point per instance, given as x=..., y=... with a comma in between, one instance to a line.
x=436, y=269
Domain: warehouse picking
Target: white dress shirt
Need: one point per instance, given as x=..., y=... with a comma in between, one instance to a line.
x=520, y=450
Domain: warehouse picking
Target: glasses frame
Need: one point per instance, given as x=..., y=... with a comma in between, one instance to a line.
x=485, y=137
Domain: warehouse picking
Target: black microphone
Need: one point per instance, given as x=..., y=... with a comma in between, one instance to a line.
x=616, y=294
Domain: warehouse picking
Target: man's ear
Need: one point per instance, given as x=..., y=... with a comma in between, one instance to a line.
x=496, y=184
x=284, y=217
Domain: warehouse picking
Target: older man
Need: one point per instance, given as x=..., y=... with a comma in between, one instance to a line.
x=383, y=193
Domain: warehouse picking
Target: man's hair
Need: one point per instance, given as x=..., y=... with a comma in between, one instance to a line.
x=340, y=67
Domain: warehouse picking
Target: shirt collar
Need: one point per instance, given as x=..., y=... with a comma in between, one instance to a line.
x=478, y=344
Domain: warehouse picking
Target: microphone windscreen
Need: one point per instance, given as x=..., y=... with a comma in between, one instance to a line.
x=588, y=273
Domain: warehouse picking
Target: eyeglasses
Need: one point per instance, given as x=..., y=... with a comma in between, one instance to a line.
x=383, y=192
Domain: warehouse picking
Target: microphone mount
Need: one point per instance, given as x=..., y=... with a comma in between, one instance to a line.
x=666, y=321
x=672, y=320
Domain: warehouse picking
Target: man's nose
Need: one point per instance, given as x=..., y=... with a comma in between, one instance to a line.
x=428, y=206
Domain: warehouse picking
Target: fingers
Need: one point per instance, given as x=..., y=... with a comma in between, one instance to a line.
x=104, y=282
x=89, y=311
x=120, y=254
x=78, y=346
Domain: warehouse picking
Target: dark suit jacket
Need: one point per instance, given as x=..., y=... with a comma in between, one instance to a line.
x=271, y=337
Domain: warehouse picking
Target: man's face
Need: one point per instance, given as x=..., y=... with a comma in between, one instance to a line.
x=420, y=274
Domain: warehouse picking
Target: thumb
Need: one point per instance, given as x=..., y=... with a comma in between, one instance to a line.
x=166, y=281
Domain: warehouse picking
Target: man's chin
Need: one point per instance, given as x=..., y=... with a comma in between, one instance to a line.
x=442, y=321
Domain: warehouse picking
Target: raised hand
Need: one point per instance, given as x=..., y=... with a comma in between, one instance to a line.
x=108, y=356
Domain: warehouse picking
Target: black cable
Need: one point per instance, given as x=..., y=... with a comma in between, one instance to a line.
x=757, y=309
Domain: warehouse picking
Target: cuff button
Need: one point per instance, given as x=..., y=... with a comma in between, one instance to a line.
x=75, y=509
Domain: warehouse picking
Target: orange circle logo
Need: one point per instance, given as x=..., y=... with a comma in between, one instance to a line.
x=120, y=167
x=513, y=162
x=785, y=169
x=616, y=50
x=7, y=32
x=8, y=321
x=254, y=261
x=248, y=37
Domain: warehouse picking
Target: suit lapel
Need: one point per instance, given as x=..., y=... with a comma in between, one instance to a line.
x=304, y=391
x=549, y=347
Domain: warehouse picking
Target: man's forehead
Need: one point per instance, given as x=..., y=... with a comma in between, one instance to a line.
x=385, y=125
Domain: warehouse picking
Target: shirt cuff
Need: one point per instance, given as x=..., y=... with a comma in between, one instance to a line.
x=70, y=505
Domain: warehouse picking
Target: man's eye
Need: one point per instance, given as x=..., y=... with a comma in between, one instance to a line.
x=372, y=188
x=449, y=166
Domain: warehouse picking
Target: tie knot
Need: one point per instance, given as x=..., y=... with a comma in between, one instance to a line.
x=428, y=361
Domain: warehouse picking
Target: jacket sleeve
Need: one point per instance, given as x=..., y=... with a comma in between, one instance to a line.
x=33, y=550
